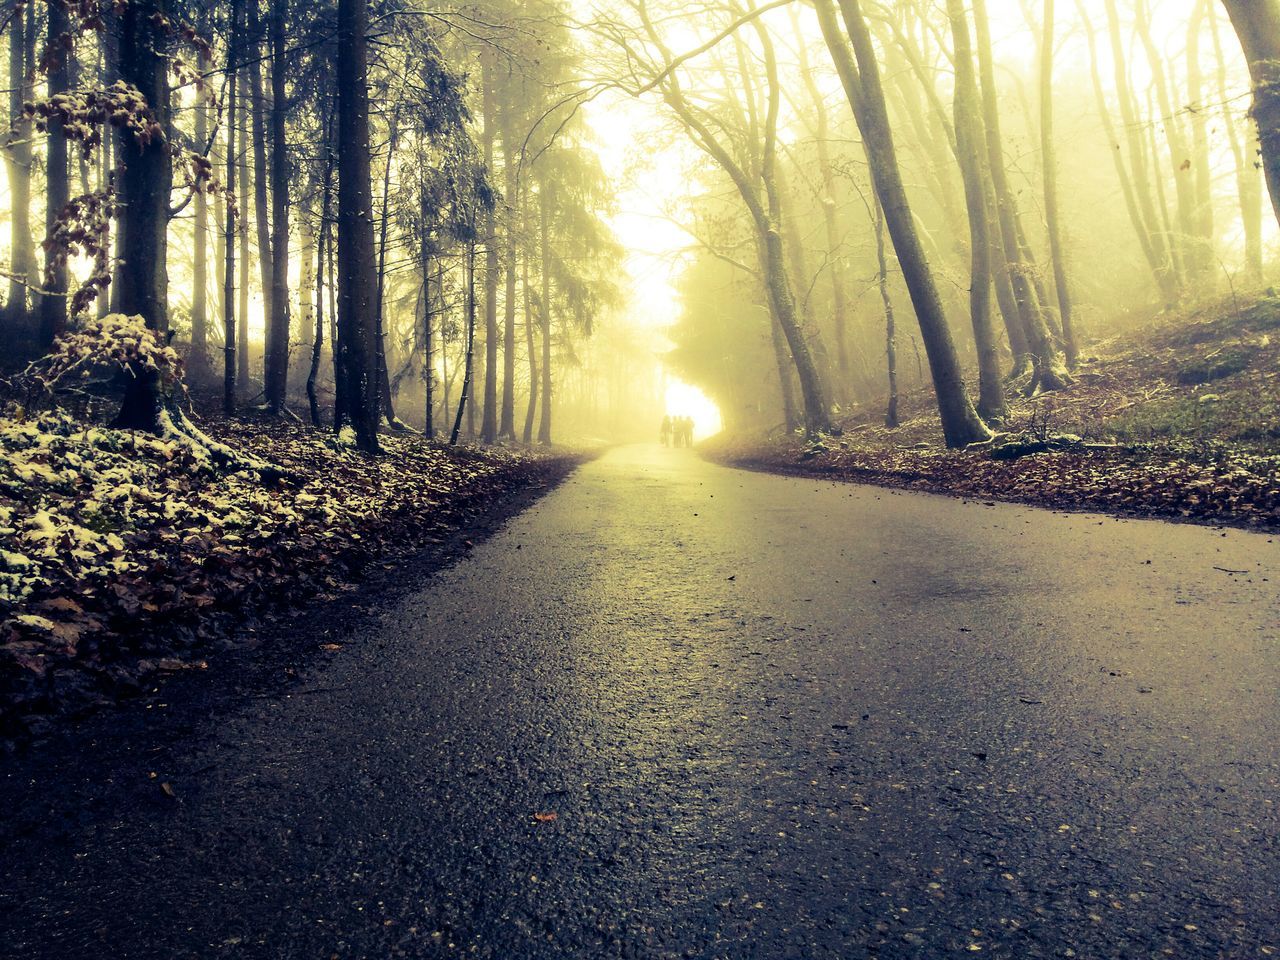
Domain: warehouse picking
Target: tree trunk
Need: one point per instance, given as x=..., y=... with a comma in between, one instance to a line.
x=428, y=348
x=489, y=411
x=835, y=268
x=970, y=136
x=469, y=359
x=526, y=435
x=1153, y=255
x=322, y=253
x=766, y=219
x=17, y=155
x=261, y=200
x=1257, y=24
x=1201, y=162
x=384, y=221
x=242, y=165
x=507, y=420
x=198, y=358
x=143, y=180
x=1248, y=185
x=1166, y=274
x=357, y=283
x=58, y=57
x=544, y=236
x=890, y=333
x=276, y=362
x=1194, y=255
x=229, y=237
x=144, y=174
x=1050, y=369
x=1049, y=162
x=961, y=424
x=782, y=358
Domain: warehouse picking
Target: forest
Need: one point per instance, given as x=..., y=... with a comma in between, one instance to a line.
x=848, y=185
x=636, y=478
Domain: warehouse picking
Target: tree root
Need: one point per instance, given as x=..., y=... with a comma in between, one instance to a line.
x=173, y=424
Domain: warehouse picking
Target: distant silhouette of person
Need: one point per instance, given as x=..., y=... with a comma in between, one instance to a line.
x=686, y=431
x=665, y=432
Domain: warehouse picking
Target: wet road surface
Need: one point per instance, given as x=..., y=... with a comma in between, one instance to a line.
x=676, y=710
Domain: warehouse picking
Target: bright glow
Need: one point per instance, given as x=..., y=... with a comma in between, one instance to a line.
x=684, y=400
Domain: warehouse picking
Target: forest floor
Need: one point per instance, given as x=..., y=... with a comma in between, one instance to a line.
x=123, y=557
x=1179, y=419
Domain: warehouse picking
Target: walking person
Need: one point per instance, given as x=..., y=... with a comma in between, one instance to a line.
x=665, y=432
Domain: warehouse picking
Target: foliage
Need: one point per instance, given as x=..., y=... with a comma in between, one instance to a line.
x=119, y=550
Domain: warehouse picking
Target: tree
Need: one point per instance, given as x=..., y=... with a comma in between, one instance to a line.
x=229, y=359
x=1050, y=369
x=961, y=424
x=357, y=280
x=970, y=136
x=276, y=365
x=758, y=188
x=18, y=159
x=1049, y=163
x=1257, y=24
x=59, y=52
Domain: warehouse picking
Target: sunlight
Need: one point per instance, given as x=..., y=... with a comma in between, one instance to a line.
x=684, y=400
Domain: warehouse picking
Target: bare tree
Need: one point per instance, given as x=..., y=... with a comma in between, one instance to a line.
x=961, y=424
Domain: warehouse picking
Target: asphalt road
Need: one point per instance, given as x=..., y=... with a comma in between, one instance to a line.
x=676, y=710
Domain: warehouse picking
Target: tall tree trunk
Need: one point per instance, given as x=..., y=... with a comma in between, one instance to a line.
x=322, y=255
x=1049, y=161
x=277, y=356
x=428, y=348
x=144, y=174
x=489, y=412
x=890, y=333
x=469, y=359
x=1184, y=238
x=526, y=435
x=970, y=137
x=1257, y=24
x=229, y=224
x=766, y=218
x=242, y=166
x=1153, y=254
x=58, y=57
x=961, y=424
x=544, y=240
x=1201, y=162
x=17, y=156
x=317, y=336
x=1248, y=181
x=261, y=200
x=357, y=283
x=198, y=359
x=835, y=269
x=510, y=158
x=1166, y=274
x=1050, y=369
x=143, y=178
x=782, y=359
x=384, y=221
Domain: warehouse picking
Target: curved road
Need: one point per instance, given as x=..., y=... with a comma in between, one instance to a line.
x=677, y=710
